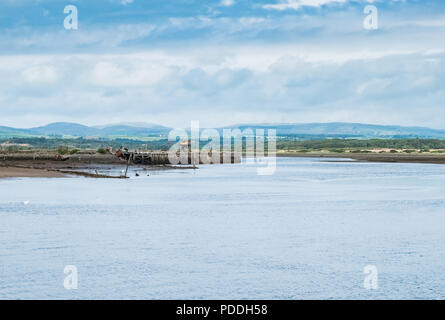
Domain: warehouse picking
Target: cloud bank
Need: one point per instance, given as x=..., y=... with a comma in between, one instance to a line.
x=223, y=67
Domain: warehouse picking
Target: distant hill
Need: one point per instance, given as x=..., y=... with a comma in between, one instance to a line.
x=65, y=128
x=134, y=130
x=302, y=131
x=78, y=130
x=347, y=130
x=9, y=130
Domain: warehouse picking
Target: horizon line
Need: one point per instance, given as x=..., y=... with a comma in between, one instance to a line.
x=220, y=127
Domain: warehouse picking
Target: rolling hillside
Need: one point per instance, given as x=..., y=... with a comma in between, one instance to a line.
x=347, y=130
x=302, y=131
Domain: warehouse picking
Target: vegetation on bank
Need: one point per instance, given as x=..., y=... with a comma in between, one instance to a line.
x=364, y=146
x=76, y=145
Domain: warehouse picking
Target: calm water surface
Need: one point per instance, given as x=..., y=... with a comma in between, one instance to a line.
x=224, y=232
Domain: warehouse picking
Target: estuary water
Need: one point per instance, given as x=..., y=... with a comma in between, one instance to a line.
x=224, y=232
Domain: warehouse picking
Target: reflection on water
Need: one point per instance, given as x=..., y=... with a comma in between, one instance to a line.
x=224, y=232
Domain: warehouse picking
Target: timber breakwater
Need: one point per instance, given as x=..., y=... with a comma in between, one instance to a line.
x=52, y=159
x=184, y=158
x=93, y=164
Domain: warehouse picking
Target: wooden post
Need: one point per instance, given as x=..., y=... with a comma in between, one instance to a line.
x=126, y=170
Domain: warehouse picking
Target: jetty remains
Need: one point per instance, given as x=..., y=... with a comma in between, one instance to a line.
x=51, y=159
x=189, y=158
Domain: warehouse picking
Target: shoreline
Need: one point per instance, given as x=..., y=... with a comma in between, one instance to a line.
x=49, y=165
x=372, y=157
x=20, y=172
x=45, y=168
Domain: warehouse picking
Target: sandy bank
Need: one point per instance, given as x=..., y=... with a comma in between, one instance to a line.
x=13, y=172
x=51, y=165
x=373, y=157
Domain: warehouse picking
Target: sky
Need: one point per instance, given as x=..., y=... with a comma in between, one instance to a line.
x=222, y=62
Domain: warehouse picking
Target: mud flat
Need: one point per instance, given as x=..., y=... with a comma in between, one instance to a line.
x=373, y=157
x=53, y=165
x=16, y=172
x=52, y=159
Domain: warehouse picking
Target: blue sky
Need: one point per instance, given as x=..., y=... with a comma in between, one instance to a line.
x=222, y=62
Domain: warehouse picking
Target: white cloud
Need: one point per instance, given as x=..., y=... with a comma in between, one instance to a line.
x=249, y=83
x=297, y=4
x=227, y=3
x=297, y=67
x=118, y=72
x=40, y=75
